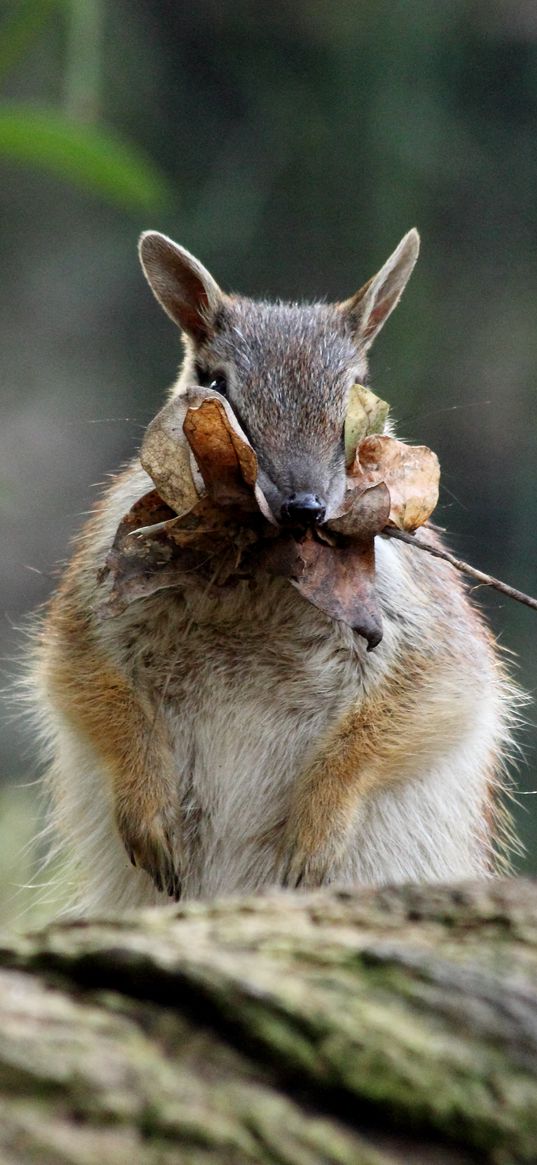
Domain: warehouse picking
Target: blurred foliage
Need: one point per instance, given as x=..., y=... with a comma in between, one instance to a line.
x=20, y=28
x=88, y=155
x=305, y=139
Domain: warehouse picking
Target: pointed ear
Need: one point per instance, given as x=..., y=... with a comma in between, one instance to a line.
x=181, y=284
x=368, y=309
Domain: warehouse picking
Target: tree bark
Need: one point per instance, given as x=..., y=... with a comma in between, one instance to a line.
x=354, y=1028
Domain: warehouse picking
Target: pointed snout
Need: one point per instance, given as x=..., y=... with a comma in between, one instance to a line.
x=302, y=509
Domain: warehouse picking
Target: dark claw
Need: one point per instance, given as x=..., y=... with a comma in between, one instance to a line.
x=174, y=886
x=161, y=869
x=288, y=882
x=306, y=875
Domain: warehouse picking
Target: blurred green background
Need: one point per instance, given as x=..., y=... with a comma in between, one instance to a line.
x=289, y=145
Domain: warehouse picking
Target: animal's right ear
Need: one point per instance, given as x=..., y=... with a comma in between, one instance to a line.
x=368, y=310
x=181, y=284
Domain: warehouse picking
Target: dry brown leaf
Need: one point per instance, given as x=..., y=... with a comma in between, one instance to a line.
x=166, y=457
x=149, y=513
x=195, y=444
x=411, y=473
x=223, y=453
x=338, y=580
x=154, y=549
x=367, y=511
x=137, y=566
x=208, y=509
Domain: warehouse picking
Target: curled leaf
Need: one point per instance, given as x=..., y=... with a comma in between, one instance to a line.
x=223, y=453
x=366, y=413
x=165, y=456
x=367, y=511
x=411, y=473
x=195, y=445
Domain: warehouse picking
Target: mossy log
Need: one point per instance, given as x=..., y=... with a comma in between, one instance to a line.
x=364, y=1028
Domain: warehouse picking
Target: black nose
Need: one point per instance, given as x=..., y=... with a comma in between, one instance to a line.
x=302, y=510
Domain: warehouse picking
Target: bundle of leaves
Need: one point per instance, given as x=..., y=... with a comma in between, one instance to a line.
x=207, y=508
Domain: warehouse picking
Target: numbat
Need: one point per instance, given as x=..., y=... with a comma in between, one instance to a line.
x=222, y=730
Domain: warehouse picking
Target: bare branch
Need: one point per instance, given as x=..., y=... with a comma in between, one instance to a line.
x=486, y=579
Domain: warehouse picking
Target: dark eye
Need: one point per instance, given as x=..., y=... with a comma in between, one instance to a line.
x=214, y=380
x=219, y=383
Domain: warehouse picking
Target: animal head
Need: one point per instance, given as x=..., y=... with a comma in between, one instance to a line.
x=286, y=369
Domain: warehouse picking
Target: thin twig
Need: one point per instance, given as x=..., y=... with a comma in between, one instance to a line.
x=487, y=579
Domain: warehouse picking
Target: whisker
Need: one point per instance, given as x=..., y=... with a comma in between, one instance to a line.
x=438, y=412
x=454, y=496
x=112, y=420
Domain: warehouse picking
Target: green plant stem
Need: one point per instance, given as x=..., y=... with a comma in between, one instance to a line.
x=82, y=86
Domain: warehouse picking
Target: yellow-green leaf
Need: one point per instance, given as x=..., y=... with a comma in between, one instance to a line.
x=366, y=414
x=93, y=158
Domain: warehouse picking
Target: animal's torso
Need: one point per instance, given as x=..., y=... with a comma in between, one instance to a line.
x=252, y=681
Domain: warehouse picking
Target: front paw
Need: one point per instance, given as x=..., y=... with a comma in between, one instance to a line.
x=305, y=864
x=154, y=846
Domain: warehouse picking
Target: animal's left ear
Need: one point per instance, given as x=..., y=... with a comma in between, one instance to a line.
x=184, y=287
x=371, y=305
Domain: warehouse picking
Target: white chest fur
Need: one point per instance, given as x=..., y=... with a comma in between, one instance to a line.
x=252, y=681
